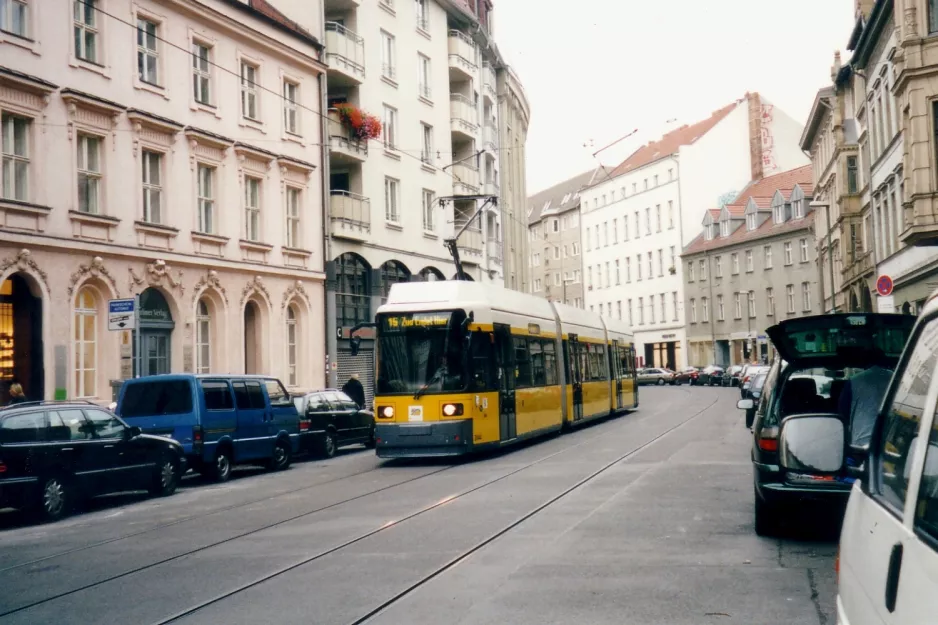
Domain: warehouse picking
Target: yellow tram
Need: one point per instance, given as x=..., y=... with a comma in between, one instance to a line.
x=464, y=366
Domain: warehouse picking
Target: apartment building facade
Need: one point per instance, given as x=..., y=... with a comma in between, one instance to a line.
x=514, y=119
x=637, y=219
x=753, y=265
x=414, y=157
x=555, y=241
x=173, y=158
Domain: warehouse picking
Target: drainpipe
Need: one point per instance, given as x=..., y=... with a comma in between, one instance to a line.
x=713, y=319
x=830, y=256
x=328, y=267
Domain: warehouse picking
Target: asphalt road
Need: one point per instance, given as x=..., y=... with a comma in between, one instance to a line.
x=641, y=519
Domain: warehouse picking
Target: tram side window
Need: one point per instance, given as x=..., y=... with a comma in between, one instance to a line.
x=566, y=362
x=584, y=356
x=550, y=363
x=538, y=375
x=522, y=363
x=483, y=362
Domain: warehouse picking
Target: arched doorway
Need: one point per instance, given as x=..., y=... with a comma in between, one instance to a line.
x=854, y=303
x=392, y=272
x=866, y=299
x=252, y=338
x=156, y=332
x=431, y=274
x=21, y=337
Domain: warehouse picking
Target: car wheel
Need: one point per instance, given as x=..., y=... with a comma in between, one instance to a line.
x=281, y=458
x=660, y=381
x=372, y=442
x=55, y=498
x=165, y=477
x=766, y=518
x=221, y=471
x=328, y=445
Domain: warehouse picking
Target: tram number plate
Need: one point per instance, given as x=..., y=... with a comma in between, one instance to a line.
x=415, y=413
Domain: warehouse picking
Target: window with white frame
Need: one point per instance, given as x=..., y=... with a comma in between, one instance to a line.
x=806, y=296
x=618, y=273
x=804, y=250
x=148, y=56
x=673, y=260
x=704, y=309
x=252, y=209
x=13, y=17
x=86, y=343
x=391, y=200
x=203, y=338
x=651, y=309
x=690, y=271
x=576, y=249
x=428, y=210
x=15, y=131
x=388, y=56
x=737, y=306
x=658, y=216
x=750, y=265
x=651, y=266
x=664, y=308
x=615, y=231
x=249, y=104
x=555, y=227
x=206, y=198
x=787, y=248
x=799, y=208
x=751, y=221
x=718, y=266
x=779, y=213
x=292, y=351
x=424, y=77
x=703, y=268
x=790, y=297
x=638, y=225
x=605, y=232
x=90, y=174
x=628, y=269
x=638, y=265
x=152, y=187
x=390, y=127
x=767, y=256
x=721, y=312
x=693, y=310
x=769, y=302
x=708, y=232
x=294, y=201
x=670, y=214
x=660, y=262
x=86, y=31
x=648, y=221
x=557, y=279
x=202, y=73
x=752, y=304
x=291, y=109
x=674, y=303
x=423, y=15
x=725, y=228
x=625, y=228
x=734, y=263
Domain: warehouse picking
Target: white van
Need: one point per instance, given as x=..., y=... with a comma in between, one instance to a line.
x=888, y=559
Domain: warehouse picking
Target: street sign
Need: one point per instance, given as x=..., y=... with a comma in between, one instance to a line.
x=121, y=314
x=885, y=304
x=884, y=285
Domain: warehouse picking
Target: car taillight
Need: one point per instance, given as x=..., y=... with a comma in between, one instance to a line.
x=768, y=439
x=304, y=425
x=197, y=436
x=3, y=467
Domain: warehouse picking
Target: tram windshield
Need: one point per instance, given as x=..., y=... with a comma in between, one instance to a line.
x=422, y=352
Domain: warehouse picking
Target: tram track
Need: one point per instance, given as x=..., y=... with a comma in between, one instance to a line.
x=426, y=509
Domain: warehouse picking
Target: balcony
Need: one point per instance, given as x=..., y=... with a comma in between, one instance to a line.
x=345, y=55
x=490, y=188
x=462, y=57
x=463, y=118
x=861, y=268
x=350, y=214
x=490, y=137
x=495, y=250
x=343, y=149
x=470, y=245
x=489, y=84
x=465, y=179
x=336, y=6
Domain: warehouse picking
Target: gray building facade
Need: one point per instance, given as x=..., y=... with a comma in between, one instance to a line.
x=555, y=252
x=754, y=265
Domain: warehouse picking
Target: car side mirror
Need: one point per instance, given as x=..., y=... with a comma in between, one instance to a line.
x=745, y=404
x=133, y=432
x=812, y=444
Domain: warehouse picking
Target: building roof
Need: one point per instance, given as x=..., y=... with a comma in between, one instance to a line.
x=818, y=110
x=556, y=194
x=266, y=11
x=672, y=142
x=763, y=190
x=767, y=230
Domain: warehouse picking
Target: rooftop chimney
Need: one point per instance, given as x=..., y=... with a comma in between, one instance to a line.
x=755, y=136
x=835, y=68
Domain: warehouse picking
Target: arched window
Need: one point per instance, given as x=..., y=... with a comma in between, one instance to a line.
x=431, y=274
x=392, y=272
x=291, y=345
x=203, y=338
x=352, y=290
x=86, y=344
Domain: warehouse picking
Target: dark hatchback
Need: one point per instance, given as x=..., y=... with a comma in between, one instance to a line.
x=330, y=419
x=817, y=356
x=53, y=454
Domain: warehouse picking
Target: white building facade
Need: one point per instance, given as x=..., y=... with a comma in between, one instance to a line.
x=164, y=162
x=637, y=220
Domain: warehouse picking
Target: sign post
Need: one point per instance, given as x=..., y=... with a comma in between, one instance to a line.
x=137, y=336
x=124, y=314
x=885, y=303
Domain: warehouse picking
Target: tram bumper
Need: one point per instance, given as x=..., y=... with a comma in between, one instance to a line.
x=420, y=440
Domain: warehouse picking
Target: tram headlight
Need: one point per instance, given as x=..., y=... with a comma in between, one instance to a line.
x=452, y=410
x=387, y=412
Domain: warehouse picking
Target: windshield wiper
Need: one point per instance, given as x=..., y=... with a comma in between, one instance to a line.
x=423, y=389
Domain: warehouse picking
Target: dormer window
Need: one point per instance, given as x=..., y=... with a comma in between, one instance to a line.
x=708, y=232
x=751, y=221
x=799, y=208
x=566, y=199
x=782, y=213
x=725, y=228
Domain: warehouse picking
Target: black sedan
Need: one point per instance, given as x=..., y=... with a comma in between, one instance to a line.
x=710, y=376
x=330, y=419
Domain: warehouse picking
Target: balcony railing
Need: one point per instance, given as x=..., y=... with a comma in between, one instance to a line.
x=345, y=51
x=463, y=116
x=462, y=53
x=490, y=188
x=465, y=178
x=490, y=135
x=341, y=141
x=489, y=84
x=495, y=250
x=470, y=242
x=350, y=213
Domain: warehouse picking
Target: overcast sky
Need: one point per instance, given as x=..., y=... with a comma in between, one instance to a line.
x=594, y=70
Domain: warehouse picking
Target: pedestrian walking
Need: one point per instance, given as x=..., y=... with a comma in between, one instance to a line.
x=17, y=396
x=354, y=389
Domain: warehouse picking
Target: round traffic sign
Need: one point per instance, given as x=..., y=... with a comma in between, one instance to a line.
x=884, y=285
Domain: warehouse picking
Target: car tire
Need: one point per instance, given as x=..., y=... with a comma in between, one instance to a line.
x=165, y=478
x=221, y=470
x=766, y=518
x=54, y=498
x=660, y=381
x=280, y=460
x=327, y=447
x=372, y=442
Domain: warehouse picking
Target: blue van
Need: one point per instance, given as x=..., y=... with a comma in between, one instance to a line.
x=220, y=420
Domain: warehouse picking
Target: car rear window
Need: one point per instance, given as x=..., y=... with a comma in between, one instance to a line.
x=29, y=427
x=157, y=398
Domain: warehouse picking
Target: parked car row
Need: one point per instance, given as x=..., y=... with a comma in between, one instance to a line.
x=53, y=454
